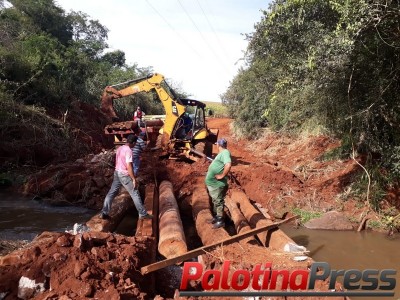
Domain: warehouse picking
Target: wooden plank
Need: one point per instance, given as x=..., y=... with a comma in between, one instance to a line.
x=193, y=253
x=144, y=227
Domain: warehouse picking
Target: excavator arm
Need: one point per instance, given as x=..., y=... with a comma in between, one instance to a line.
x=173, y=138
x=171, y=103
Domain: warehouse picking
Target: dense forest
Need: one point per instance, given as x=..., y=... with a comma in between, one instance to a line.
x=326, y=67
x=312, y=67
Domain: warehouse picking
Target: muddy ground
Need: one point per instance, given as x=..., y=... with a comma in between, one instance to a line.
x=277, y=173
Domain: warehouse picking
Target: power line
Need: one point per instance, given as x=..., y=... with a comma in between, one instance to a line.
x=212, y=28
x=173, y=29
x=202, y=36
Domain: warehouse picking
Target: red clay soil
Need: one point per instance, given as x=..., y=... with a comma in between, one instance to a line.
x=277, y=172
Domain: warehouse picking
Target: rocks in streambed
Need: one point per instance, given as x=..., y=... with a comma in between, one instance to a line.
x=332, y=220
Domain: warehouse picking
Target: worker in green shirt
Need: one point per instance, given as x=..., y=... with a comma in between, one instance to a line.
x=217, y=182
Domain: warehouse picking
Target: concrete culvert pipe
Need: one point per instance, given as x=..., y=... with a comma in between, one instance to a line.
x=172, y=240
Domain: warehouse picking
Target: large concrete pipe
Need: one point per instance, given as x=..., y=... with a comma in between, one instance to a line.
x=241, y=224
x=172, y=240
x=274, y=239
x=202, y=212
x=119, y=208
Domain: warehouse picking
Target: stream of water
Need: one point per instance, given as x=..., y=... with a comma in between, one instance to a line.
x=350, y=249
x=23, y=219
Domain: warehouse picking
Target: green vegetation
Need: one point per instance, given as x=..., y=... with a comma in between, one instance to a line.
x=50, y=59
x=373, y=224
x=306, y=215
x=312, y=66
x=216, y=109
x=327, y=67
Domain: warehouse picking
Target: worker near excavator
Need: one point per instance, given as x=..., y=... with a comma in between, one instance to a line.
x=123, y=176
x=217, y=182
x=184, y=131
x=137, y=150
x=138, y=114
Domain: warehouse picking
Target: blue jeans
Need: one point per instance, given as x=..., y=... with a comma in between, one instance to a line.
x=136, y=165
x=119, y=180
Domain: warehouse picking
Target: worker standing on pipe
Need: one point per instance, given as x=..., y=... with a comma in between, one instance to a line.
x=217, y=182
x=123, y=176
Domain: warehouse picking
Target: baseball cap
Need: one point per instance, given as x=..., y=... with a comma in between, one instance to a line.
x=222, y=142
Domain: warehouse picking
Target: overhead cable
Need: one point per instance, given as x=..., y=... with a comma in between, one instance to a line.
x=202, y=36
x=173, y=29
x=212, y=28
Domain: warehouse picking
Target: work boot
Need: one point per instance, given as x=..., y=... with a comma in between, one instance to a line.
x=213, y=220
x=147, y=216
x=104, y=216
x=220, y=222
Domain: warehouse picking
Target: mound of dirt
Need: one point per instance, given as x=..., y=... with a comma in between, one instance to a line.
x=83, y=182
x=90, y=264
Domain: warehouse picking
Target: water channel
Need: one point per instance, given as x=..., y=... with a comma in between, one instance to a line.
x=23, y=219
x=345, y=250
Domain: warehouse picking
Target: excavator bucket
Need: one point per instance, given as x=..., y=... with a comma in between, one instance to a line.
x=213, y=135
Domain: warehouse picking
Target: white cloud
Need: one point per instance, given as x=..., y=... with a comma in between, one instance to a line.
x=176, y=39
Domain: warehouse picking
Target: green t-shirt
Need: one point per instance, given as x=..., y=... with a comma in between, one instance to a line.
x=216, y=167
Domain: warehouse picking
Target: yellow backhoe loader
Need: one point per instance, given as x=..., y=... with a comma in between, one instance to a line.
x=184, y=131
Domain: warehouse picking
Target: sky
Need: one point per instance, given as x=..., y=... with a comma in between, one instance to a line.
x=198, y=45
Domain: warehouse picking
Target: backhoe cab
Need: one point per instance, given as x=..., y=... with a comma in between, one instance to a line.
x=183, y=132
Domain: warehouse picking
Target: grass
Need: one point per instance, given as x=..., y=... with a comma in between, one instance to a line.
x=306, y=215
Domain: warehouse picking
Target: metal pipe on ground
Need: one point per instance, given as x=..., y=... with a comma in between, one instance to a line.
x=172, y=240
x=274, y=239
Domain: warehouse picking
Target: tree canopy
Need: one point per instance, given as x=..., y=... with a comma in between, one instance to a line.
x=49, y=57
x=324, y=67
